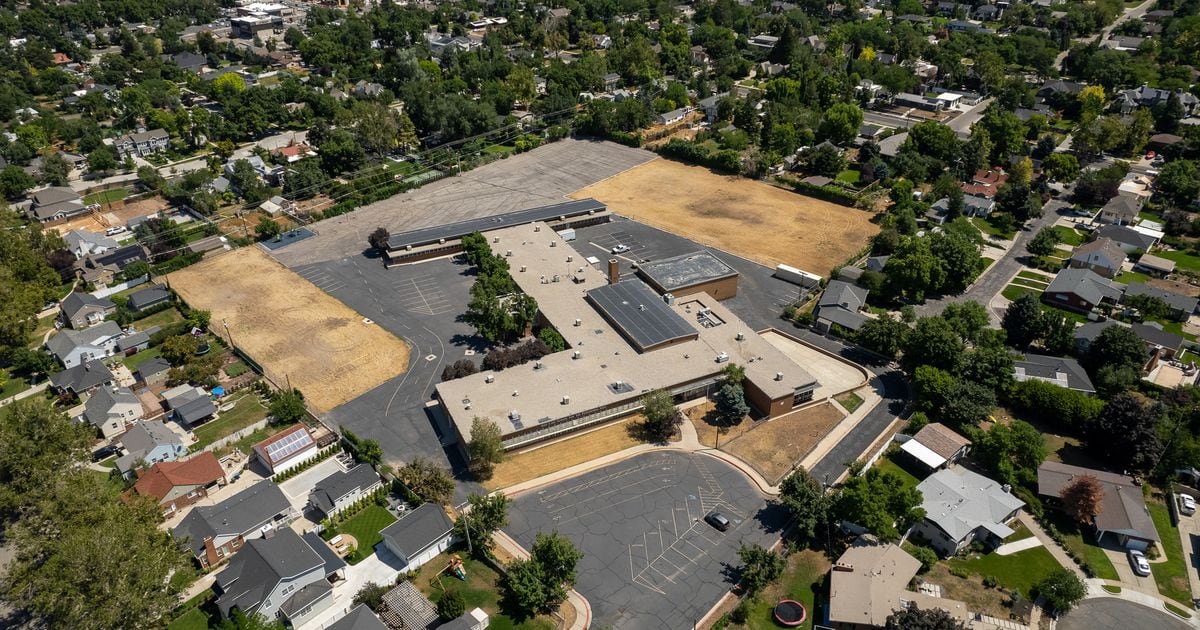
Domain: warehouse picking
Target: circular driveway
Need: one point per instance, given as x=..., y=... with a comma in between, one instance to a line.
x=1109, y=612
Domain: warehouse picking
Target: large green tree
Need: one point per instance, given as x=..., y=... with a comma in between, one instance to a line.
x=1023, y=321
x=486, y=448
x=1012, y=451
x=484, y=516
x=37, y=442
x=880, y=502
x=808, y=503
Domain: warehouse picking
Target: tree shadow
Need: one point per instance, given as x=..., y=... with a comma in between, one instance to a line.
x=474, y=342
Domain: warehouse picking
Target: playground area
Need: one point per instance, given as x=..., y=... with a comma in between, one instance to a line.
x=300, y=335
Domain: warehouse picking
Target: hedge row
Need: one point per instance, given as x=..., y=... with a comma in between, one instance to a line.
x=306, y=464
x=726, y=160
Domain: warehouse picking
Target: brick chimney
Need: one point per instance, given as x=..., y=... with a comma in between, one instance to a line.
x=614, y=271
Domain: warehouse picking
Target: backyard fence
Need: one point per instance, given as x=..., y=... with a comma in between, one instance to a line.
x=234, y=437
x=117, y=288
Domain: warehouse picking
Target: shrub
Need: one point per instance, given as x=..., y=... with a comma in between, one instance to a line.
x=741, y=612
x=451, y=605
x=989, y=581
x=928, y=557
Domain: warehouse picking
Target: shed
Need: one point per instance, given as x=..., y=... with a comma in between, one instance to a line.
x=418, y=537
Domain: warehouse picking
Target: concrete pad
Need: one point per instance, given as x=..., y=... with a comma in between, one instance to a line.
x=1021, y=545
x=298, y=488
x=835, y=375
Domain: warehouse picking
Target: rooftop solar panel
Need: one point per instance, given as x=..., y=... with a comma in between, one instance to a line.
x=289, y=445
x=639, y=314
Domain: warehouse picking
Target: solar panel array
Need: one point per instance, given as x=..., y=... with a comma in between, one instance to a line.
x=289, y=445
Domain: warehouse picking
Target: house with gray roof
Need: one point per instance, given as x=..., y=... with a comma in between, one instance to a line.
x=81, y=243
x=1159, y=343
x=81, y=310
x=278, y=576
x=150, y=297
x=1120, y=210
x=72, y=347
x=55, y=204
x=1146, y=96
x=152, y=371
x=359, y=618
x=1128, y=238
x=82, y=378
x=1061, y=371
x=214, y=533
x=420, y=536
x=338, y=491
x=1103, y=256
x=1156, y=266
x=111, y=410
x=1080, y=290
x=195, y=411
x=1123, y=512
x=136, y=341
x=962, y=507
x=141, y=144
x=146, y=443
x=840, y=304
x=1181, y=306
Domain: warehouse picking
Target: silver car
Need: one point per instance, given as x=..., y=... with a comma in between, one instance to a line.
x=1140, y=564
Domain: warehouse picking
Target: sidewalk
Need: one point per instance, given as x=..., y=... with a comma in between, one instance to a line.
x=583, y=610
x=32, y=391
x=1059, y=554
x=1096, y=589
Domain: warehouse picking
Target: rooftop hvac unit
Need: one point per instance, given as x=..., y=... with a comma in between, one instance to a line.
x=542, y=279
x=641, y=307
x=489, y=378
x=618, y=384
x=513, y=415
x=570, y=258
x=441, y=241
x=553, y=243
x=566, y=400
x=669, y=298
x=555, y=278
x=722, y=357
x=537, y=365
x=562, y=218
x=578, y=322
x=579, y=271
x=522, y=268
x=495, y=239
x=740, y=337
x=516, y=393
x=779, y=376
x=508, y=252
x=537, y=228
x=408, y=247
x=576, y=354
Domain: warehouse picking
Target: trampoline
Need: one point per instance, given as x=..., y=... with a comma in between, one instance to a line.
x=790, y=613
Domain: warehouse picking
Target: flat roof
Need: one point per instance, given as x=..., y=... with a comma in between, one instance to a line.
x=640, y=314
x=425, y=236
x=555, y=274
x=678, y=272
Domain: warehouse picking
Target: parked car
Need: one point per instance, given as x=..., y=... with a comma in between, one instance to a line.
x=620, y=249
x=1187, y=505
x=717, y=520
x=104, y=452
x=1140, y=564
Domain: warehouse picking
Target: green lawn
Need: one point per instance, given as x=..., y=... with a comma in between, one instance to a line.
x=246, y=412
x=886, y=464
x=11, y=385
x=1020, y=571
x=1014, y=291
x=481, y=590
x=1035, y=276
x=1129, y=277
x=850, y=401
x=1175, y=327
x=1170, y=575
x=799, y=582
x=1068, y=236
x=193, y=619
x=365, y=527
x=849, y=176
x=106, y=196
x=499, y=148
x=1150, y=216
x=988, y=228
x=1028, y=283
x=44, y=325
x=160, y=319
x=1082, y=542
x=132, y=362
x=1183, y=260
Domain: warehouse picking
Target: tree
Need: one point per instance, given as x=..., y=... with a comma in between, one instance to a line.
x=102, y=160
x=933, y=341
x=1013, y=452
x=731, y=404
x=734, y=373
x=1062, y=590
x=967, y=318
x=825, y=159
x=179, y=348
x=523, y=587
x=1061, y=167
x=1019, y=201
x=427, y=480
x=1023, y=321
x=805, y=498
x=54, y=170
x=304, y=179
x=32, y=363
x=287, y=407
x=1043, y=242
x=1091, y=101
x=885, y=335
x=760, y=567
x=370, y=452
x=1179, y=182
x=239, y=620
x=880, y=502
x=379, y=238
x=267, y=228
x=1126, y=434
x=485, y=515
x=486, y=448
x=1115, y=347
x=1083, y=499
x=371, y=595
x=15, y=182
x=198, y=318
x=37, y=442
x=840, y=123
x=540, y=584
x=451, y=605
x=660, y=416
x=913, y=618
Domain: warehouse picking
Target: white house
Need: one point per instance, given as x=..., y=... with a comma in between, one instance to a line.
x=287, y=449
x=111, y=410
x=961, y=507
x=418, y=537
x=73, y=347
x=277, y=576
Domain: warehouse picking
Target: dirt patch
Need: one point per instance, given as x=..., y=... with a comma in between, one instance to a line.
x=115, y=217
x=773, y=446
x=298, y=333
x=534, y=463
x=1175, y=286
x=969, y=590
x=761, y=222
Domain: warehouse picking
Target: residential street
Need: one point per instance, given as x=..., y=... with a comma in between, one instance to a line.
x=1131, y=14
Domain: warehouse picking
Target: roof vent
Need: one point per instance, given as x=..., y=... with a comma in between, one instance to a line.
x=516, y=393
x=553, y=243
x=408, y=247
x=441, y=241
x=578, y=322
x=508, y=253
x=722, y=357
x=779, y=376
x=489, y=378
x=576, y=354
x=641, y=307
x=495, y=239
x=570, y=258
x=537, y=228
x=537, y=365
x=740, y=337
x=566, y=400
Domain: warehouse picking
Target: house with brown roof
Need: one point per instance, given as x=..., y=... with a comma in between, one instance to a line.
x=1123, y=511
x=936, y=446
x=1103, y=256
x=985, y=183
x=176, y=485
x=286, y=449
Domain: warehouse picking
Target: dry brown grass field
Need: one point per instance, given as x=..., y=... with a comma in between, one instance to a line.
x=763, y=223
x=298, y=333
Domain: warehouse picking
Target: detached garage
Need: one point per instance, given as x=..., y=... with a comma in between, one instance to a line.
x=420, y=536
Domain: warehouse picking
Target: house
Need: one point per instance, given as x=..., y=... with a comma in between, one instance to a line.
x=870, y=581
x=1160, y=344
x=72, y=347
x=141, y=144
x=359, y=618
x=711, y=106
x=111, y=409
x=81, y=310
x=1061, y=371
x=146, y=443
x=274, y=205
x=1154, y=265
x=195, y=411
x=962, y=507
x=365, y=89
x=55, y=204
x=152, y=371
x=673, y=116
x=877, y=263
x=82, y=243
x=1181, y=306
x=973, y=206
x=1120, y=210
x=149, y=298
x=1125, y=43
x=1129, y=239
x=82, y=379
x=103, y=268
x=190, y=61
x=697, y=56
x=294, y=152
x=416, y=538
x=286, y=449
x=176, y=485
x=1123, y=512
x=840, y=304
x=612, y=81
x=918, y=101
x=1080, y=290
x=338, y=491
x=214, y=533
x=937, y=446
x=136, y=341
x=985, y=183
x=278, y=576
x=1146, y=96
x=763, y=41
x=1103, y=256
x=889, y=147
x=1068, y=89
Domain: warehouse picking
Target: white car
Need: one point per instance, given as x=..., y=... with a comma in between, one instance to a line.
x=1140, y=564
x=1187, y=505
x=620, y=249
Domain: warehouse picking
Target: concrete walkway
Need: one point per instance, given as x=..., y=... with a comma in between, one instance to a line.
x=1021, y=545
x=32, y=391
x=1059, y=553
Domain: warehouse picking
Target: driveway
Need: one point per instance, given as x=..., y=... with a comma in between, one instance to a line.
x=380, y=568
x=1189, y=534
x=1120, y=561
x=1106, y=613
x=299, y=487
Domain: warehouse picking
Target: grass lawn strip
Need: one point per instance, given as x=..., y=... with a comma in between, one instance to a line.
x=132, y=362
x=246, y=412
x=801, y=579
x=987, y=228
x=481, y=590
x=850, y=401
x=1068, y=236
x=1014, y=291
x=554, y=457
x=193, y=619
x=106, y=196
x=1130, y=277
x=161, y=319
x=365, y=527
x=1019, y=571
x=11, y=385
x=1171, y=574
x=886, y=464
x=1183, y=260
x=1035, y=276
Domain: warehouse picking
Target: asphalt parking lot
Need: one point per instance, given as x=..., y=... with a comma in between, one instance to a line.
x=650, y=561
x=1103, y=613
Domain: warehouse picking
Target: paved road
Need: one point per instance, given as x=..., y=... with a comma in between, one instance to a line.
x=1131, y=14
x=996, y=277
x=1107, y=613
